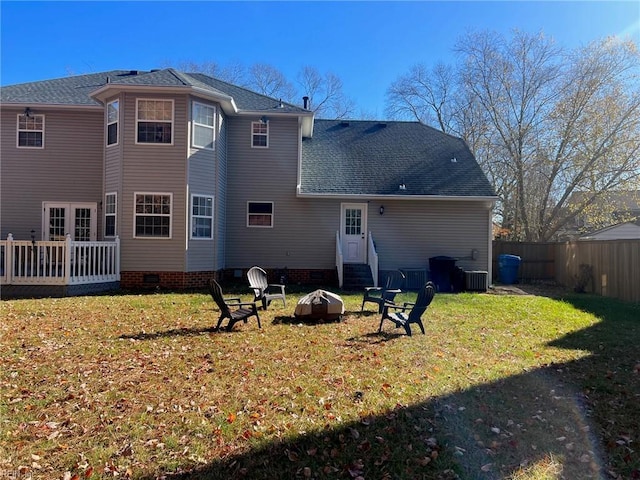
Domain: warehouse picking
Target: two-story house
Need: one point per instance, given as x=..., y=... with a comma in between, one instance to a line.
x=198, y=177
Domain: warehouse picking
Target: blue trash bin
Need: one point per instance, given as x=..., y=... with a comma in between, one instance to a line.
x=508, y=266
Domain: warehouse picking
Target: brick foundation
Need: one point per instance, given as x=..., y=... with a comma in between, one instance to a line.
x=198, y=280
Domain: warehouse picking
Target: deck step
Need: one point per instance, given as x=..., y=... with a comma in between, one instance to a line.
x=356, y=276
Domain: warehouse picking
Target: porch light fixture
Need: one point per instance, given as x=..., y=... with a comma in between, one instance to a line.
x=402, y=186
x=381, y=209
x=33, y=236
x=264, y=119
x=27, y=112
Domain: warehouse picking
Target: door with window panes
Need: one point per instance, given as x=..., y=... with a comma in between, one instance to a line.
x=353, y=235
x=77, y=219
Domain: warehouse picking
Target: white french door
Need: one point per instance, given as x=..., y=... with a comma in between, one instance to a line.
x=353, y=232
x=77, y=219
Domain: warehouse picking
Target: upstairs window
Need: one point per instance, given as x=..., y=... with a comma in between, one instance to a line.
x=259, y=134
x=201, y=217
x=203, y=132
x=113, y=116
x=260, y=214
x=154, y=121
x=152, y=215
x=30, y=131
x=110, y=215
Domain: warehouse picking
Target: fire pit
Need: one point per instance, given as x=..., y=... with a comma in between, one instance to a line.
x=320, y=305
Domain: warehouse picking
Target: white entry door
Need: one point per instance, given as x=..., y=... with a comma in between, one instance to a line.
x=78, y=219
x=354, y=232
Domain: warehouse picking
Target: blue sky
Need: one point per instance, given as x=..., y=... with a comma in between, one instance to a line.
x=367, y=44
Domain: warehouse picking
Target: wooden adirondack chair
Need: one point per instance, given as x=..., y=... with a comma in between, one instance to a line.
x=262, y=290
x=416, y=310
x=232, y=309
x=381, y=295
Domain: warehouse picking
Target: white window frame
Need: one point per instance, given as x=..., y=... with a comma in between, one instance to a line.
x=195, y=125
x=147, y=120
x=113, y=214
x=162, y=215
x=115, y=122
x=249, y=214
x=254, y=135
x=195, y=216
x=19, y=130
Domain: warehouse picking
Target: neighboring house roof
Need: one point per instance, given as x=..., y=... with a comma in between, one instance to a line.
x=621, y=231
x=373, y=158
x=80, y=89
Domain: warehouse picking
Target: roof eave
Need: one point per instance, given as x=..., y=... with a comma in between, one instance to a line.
x=103, y=93
x=50, y=106
x=306, y=118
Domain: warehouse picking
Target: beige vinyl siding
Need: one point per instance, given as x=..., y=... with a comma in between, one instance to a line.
x=220, y=200
x=153, y=169
x=263, y=175
x=68, y=169
x=412, y=231
x=201, y=179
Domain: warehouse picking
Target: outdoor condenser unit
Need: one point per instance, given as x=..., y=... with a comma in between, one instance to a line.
x=476, y=280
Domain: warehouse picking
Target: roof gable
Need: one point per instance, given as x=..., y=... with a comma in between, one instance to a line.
x=403, y=159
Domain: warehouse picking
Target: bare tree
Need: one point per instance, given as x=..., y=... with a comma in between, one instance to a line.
x=270, y=81
x=424, y=95
x=325, y=93
x=543, y=124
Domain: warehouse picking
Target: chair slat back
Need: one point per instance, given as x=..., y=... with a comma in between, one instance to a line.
x=425, y=296
x=395, y=280
x=216, y=293
x=257, y=278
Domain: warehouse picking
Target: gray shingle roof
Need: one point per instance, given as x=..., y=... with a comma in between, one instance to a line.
x=76, y=90
x=375, y=158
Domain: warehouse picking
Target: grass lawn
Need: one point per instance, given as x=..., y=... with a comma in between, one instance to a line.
x=139, y=386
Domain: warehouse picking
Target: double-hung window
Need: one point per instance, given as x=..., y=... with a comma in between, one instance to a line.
x=152, y=215
x=259, y=134
x=154, y=121
x=30, y=131
x=201, y=217
x=260, y=214
x=110, y=200
x=113, y=117
x=202, y=130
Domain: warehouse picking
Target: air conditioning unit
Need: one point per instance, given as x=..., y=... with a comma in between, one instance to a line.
x=476, y=280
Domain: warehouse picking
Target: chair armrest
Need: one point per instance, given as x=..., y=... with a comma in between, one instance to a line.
x=276, y=285
x=388, y=305
x=372, y=289
x=393, y=290
x=245, y=304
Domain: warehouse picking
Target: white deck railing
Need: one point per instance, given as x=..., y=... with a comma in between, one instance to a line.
x=372, y=260
x=66, y=262
x=339, y=260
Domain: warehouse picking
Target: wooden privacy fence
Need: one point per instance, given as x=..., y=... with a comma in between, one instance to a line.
x=607, y=267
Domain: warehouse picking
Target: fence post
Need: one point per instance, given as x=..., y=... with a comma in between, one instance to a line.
x=67, y=259
x=118, y=258
x=8, y=259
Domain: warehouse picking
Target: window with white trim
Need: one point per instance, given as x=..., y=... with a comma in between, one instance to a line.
x=260, y=214
x=30, y=131
x=259, y=135
x=113, y=117
x=110, y=203
x=152, y=215
x=154, y=121
x=202, y=129
x=201, y=217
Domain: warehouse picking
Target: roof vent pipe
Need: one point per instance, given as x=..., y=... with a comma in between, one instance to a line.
x=305, y=102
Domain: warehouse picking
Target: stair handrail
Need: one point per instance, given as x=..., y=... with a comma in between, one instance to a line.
x=339, y=260
x=372, y=259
